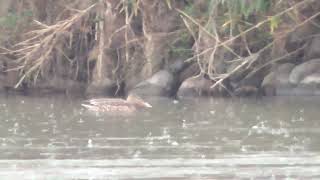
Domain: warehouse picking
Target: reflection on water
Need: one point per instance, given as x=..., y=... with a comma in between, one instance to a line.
x=196, y=139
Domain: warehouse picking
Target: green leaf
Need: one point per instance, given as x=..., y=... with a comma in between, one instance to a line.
x=274, y=23
x=169, y=4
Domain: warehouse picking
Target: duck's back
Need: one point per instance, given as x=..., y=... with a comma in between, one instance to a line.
x=107, y=101
x=112, y=106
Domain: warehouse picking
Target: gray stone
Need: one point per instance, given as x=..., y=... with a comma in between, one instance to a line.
x=303, y=70
x=101, y=87
x=269, y=84
x=197, y=86
x=311, y=79
x=313, y=50
x=160, y=84
x=190, y=71
x=277, y=81
x=246, y=91
x=283, y=73
x=304, y=90
x=238, y=74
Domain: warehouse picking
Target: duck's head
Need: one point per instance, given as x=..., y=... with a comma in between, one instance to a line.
x=134, y=99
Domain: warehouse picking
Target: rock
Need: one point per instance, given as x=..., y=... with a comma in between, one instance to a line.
x=284, y=91
x=160, y=84
x=283, y=73
x=245, y=91
x=178, y=66
x=163, y=83
x=248, y=86
x=269, y=84
x=311, y=79
x=190, y=71
x=103, y=87
x=238, y=74
x=303, y=70
x=313, y=49
x=304, y=90
x=162, y=78
x=277, y=81
x=197, y=86
x=243, y=78
x=55, y=85
x=131, y=82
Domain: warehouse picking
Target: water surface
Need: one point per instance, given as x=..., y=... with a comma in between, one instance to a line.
x=55, y=138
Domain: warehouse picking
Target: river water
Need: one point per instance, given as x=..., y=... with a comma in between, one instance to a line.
x=55, y=138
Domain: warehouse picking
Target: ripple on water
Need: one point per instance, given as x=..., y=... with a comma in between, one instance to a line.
x=210, y=139
x=305, y=166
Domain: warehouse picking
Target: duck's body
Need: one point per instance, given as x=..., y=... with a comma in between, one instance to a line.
x=116, y=106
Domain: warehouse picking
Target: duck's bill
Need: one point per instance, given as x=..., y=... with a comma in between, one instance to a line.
x=147, y=105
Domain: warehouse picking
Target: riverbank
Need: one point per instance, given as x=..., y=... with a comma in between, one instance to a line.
x=284, y=80
x=160, y=48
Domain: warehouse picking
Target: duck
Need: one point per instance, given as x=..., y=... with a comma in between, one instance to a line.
x=116, y=106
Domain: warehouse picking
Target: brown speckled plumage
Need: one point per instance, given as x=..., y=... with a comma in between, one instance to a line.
x=116, y=106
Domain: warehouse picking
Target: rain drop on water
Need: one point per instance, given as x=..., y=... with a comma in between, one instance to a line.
x=90, y=145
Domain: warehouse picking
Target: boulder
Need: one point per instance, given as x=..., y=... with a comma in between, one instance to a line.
x=303, y=70
x=268, y=84
x=55, y=85
x=103, y=87
x=277, y=81
x=283, y=73
x=243, y=78
x=305, y=90
x=190, y=71
x=197, y=86
x=160, y=84
x=248, y=86
x=239, y=74
x=246, y=90
x=312, y=79
x=313, y=49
